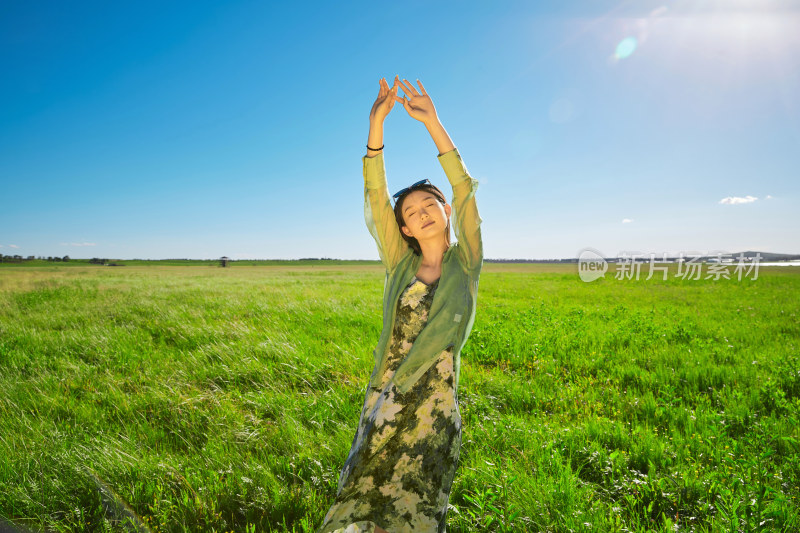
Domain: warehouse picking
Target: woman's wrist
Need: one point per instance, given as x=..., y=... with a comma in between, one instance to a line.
x=433, y=123
x=375, y=138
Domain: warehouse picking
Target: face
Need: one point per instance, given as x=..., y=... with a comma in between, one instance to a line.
x=424, y=215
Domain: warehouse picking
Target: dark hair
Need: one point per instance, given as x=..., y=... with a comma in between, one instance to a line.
x=398, y=214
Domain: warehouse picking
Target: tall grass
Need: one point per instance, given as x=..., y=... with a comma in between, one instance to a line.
x=217, y=399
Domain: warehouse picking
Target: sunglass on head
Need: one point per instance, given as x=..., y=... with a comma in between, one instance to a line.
x=414, y=186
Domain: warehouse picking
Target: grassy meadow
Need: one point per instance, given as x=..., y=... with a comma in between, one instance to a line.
x=214, y=399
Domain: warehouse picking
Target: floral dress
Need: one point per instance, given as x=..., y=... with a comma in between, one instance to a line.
x=405, y=454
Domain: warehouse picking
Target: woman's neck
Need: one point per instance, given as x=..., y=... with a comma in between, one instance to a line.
x=432, y=253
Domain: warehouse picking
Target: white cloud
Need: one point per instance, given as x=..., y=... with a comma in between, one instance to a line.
x=627, y=220
x=78, y=244
x=733, y=200
x=769, y=197
x=13, y=246
x=658, y=11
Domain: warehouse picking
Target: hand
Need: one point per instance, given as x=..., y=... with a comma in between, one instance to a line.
x=385, y=101
x=419, y=106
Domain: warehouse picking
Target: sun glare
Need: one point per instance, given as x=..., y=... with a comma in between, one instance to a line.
x=705, y=36
x=625, y=48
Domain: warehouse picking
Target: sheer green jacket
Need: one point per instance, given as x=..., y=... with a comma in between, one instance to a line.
x=452, y=311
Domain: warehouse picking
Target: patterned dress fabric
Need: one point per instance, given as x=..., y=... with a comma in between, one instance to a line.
x=404, y=456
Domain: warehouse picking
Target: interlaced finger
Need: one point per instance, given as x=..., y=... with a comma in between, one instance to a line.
x=387, y=89
x=408, y=88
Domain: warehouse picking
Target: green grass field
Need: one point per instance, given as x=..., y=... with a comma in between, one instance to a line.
x=218, y=399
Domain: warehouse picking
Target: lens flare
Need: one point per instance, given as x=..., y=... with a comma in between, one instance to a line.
x=625, y=47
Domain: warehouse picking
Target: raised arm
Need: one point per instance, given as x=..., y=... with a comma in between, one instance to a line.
x=465, y=219
x=378, y=212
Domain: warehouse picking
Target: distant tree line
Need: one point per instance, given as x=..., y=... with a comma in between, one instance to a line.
x=55, y=259
x=20, y=259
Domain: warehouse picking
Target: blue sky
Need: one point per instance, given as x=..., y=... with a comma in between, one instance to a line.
x=201, y=129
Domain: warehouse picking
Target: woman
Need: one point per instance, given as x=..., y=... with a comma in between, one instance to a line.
x=401, y=465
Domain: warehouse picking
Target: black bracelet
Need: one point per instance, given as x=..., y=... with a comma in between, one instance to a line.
x=375, y=149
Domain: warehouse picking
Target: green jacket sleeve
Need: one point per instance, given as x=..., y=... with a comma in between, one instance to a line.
x=379, y=214
x=465, y=219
